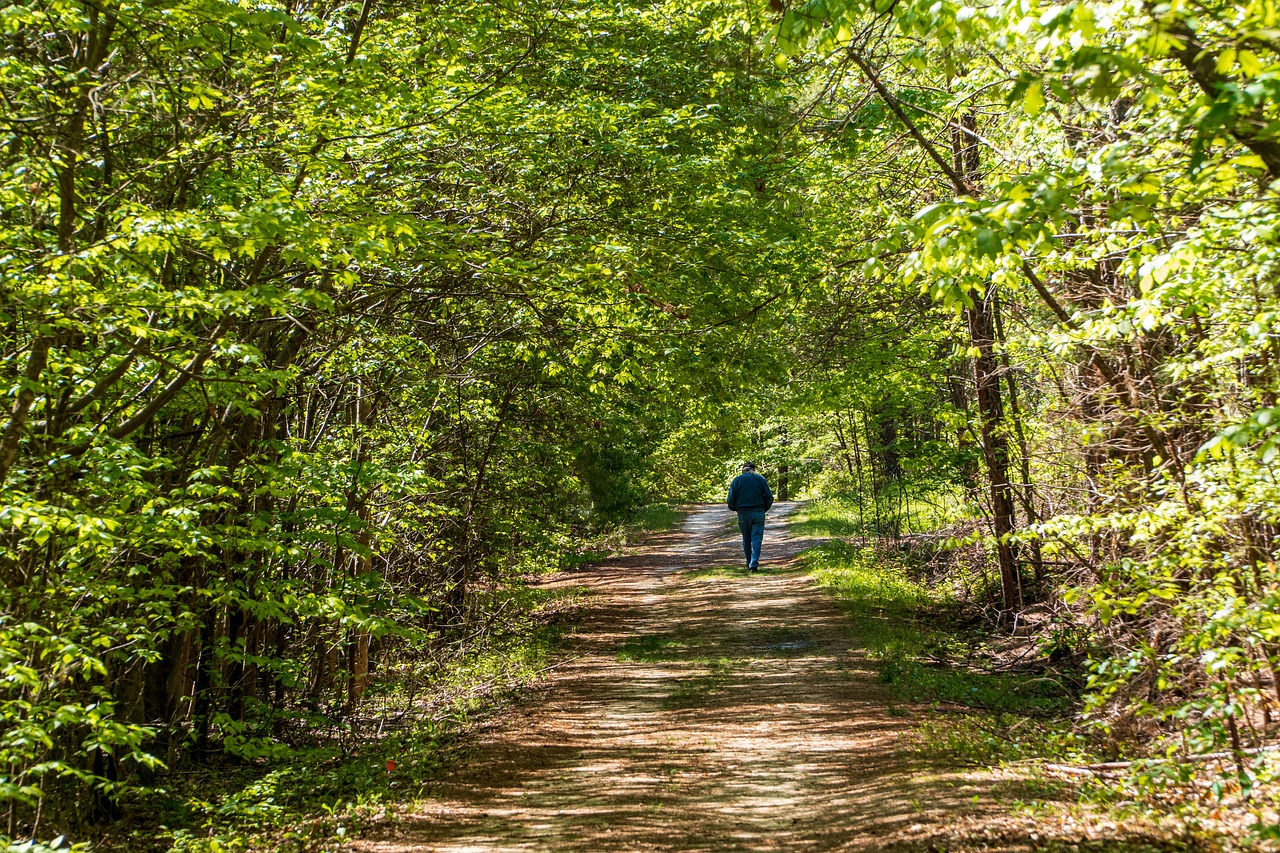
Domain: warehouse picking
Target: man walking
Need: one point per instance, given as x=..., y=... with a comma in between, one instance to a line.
x=750, y=498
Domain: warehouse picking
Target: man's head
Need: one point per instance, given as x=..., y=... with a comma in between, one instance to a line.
x=748, y=466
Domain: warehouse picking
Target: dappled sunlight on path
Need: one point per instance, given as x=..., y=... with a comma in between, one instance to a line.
x=701, y=709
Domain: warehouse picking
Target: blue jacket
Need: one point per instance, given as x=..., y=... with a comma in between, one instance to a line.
x=749, y=491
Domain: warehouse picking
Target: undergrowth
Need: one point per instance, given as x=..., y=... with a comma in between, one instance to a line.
x=619, y=532
x=983, y=712
x=653, y=517
x=334, y=780
x=316, y=794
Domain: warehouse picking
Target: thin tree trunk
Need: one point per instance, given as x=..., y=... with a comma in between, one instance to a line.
x=871, y=464
x=1027, y=493
x=857, y=458
x=995, y=448
x=12, y=435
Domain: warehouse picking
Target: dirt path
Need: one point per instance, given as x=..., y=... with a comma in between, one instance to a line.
x=702, y=709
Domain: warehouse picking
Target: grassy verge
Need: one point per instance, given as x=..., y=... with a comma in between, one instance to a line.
x=621, y=532
x=915, y=633
x=317, y=794
x=828, y=516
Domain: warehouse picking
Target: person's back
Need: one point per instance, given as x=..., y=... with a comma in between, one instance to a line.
x=750, y=497
x=750, y=490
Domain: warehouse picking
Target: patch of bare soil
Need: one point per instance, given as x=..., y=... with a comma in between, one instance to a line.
x=701, y=708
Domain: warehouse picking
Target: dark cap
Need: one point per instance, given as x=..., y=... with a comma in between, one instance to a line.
x=748, y=466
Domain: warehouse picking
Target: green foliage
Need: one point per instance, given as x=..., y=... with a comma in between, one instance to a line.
x=318, y=325
x=903, y=623
x=655, y=517
x=1119, y=215
x=58, y=843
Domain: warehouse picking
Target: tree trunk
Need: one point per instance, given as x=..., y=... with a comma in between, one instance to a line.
x=1026, y=494
x=995, y=447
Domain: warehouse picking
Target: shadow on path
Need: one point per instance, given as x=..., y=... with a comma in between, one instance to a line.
x=702, y=709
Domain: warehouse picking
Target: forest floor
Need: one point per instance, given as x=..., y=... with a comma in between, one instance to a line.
x=702, y=708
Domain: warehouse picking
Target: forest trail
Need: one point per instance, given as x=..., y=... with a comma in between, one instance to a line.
x=702, y=708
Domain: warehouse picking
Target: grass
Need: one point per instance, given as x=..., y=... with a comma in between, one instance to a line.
x=838, y=516
x=692, y=691
x=654, y=518
x=827, y=517
x=653, y=648
x=622, y=531
x=909, y=630
x=981, y=715
x=739, y=571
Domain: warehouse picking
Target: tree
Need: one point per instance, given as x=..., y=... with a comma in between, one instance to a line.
x=1123, y=147
x=315, y=319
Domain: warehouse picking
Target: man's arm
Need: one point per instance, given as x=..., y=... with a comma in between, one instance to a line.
x=733, y=496
x=768, y=494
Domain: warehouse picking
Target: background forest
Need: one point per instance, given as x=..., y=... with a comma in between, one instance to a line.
x=323, y=325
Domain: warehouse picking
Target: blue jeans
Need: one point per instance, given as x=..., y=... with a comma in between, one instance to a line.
x=751, y=523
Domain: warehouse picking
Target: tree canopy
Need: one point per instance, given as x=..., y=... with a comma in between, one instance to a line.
x=319, y=320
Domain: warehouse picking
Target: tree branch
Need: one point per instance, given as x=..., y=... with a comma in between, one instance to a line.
x=961, y=186
x=147, y=412
x=1202, y=64
x=22, y=404
x=112, y=377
